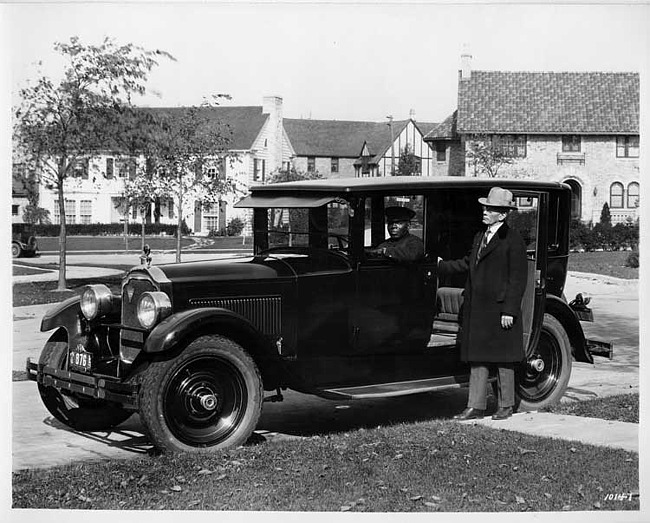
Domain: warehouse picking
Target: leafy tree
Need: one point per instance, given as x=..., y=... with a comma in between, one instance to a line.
x=187, y=154
x=36, y=215
x=486, y=156
x=409, y=164
x=62, y=122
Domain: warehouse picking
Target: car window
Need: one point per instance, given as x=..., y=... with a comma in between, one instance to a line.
x=524, y=219
x=325, y=226
x=374, y=216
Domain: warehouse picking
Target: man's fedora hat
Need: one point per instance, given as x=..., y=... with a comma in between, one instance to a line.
x=499, y=197
x=399, y=214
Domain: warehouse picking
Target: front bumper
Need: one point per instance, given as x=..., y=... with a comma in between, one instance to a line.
x=126, y=394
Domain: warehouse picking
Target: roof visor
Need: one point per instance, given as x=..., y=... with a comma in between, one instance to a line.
x=259, y=200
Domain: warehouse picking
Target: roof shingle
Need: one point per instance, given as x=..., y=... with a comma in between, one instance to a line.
x=549, y=103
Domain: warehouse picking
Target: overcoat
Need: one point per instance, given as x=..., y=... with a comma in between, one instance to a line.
x=495, y=285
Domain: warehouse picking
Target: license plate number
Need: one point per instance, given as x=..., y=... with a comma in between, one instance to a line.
x=80, y=359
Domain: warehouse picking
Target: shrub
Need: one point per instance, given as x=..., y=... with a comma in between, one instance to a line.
x=235, y=227
x=633, y=260
x=109, y=229
x=603, y=236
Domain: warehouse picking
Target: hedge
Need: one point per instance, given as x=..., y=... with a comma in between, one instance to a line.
x=108, y=229
x=604, y=236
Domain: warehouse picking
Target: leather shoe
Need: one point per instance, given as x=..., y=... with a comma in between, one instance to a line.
x=470, y=413
x=502, y=413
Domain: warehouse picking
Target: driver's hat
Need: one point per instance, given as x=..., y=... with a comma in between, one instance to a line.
x=399, y=214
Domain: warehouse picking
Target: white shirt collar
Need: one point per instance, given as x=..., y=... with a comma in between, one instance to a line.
x=493, y=229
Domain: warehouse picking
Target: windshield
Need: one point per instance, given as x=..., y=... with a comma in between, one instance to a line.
x=326, y=226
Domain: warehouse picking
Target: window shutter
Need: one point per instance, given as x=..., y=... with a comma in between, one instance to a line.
x=109, y=168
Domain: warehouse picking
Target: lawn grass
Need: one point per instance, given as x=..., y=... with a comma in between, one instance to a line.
x=623, y=407
x=24, y=270
x=110, y=243
x=605, y=263
x=40, y=292
x=435, y=466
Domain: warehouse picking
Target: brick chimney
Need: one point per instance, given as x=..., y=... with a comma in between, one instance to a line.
x=465, y=63
x=272, y=105
x=412, y=114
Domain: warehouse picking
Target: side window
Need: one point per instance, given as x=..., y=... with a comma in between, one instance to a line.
x=525, y=221
x=375, y=224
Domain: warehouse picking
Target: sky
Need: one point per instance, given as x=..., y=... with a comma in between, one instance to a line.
x=335, y=61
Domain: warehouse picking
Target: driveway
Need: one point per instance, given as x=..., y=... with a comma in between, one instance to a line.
x=41, y=441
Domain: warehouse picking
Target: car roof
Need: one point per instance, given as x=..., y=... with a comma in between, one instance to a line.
x=403, y=183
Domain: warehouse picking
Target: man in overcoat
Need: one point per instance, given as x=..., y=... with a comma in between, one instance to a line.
x=492, y=331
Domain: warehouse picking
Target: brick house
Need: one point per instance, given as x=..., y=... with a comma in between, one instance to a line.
x=339, y=149
x=577, y=128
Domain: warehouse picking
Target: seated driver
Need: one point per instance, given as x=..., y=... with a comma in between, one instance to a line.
x=402, y=246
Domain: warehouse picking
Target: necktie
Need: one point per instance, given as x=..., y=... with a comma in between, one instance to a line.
x=484, y=243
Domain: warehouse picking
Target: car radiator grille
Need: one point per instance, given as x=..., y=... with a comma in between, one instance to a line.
x=264, y=313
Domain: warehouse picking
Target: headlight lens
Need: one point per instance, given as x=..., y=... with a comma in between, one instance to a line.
x=153, y=307
x=96, y=301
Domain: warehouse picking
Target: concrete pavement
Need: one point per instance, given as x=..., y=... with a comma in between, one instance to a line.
x=41, y=441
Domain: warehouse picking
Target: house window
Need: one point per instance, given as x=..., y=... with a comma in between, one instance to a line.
x=85, y=211
x=633, y=195
x=170, y=209
x=213, y=173
x=256, y=169
x=109, y=168
x=263, y=170
x=14, y=210
x=441, y=151
x=70, y=212
x=134, y=212
x=511, y=145
x=571, y=143
x=627, y=146
x=616, y=196
x=335, y=165
x=311, y=164
x=126, y=168
x=80, y=169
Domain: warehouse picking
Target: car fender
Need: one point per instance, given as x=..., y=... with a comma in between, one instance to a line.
x=177, y=330
x=559, y=309
x=66, y=314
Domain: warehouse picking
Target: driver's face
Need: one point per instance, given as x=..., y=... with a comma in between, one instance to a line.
x=398, y=229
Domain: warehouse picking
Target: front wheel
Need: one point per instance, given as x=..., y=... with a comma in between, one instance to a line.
x=16, y=250
x=77, y=411
x=545, y=375
x=208, y=397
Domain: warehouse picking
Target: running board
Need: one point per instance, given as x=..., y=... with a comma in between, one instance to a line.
x=399, y=388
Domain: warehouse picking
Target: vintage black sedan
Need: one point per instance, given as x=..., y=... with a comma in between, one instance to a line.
x=194, y=347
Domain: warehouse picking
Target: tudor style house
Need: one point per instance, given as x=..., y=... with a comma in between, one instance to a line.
x=338, y=149
x=578, y=128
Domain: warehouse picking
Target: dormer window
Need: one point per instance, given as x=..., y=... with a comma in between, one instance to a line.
x=627, y=146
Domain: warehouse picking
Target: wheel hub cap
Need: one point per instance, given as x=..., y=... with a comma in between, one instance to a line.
x=536, y=364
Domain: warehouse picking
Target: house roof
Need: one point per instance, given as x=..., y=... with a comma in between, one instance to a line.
x=549, y=103
x=344, y=139
x=245, y=123
x=338, y=137
x=445, y=130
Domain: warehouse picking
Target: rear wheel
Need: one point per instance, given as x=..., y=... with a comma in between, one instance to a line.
x=545, y=375
x=16, y=251
x=76, y=410
x=209, y=397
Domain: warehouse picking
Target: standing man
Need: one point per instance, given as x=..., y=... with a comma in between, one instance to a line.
x=492, y=331
x=401, y=246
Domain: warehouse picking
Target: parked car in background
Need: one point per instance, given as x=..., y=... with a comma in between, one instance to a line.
x=194, y=347
x=23, y=242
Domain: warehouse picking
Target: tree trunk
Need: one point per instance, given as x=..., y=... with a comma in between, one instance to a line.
x=125, y=208
x=62, y=232
x=179, y=233
x=144, y=220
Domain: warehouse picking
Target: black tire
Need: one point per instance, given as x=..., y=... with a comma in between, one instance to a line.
x=207, y=398
x=16, y=250
x=76, y=410
x=539, y=389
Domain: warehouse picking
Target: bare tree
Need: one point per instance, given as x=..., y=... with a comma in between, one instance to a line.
x=486, y=156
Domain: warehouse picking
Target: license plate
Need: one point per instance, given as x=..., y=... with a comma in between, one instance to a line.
x=80, y=359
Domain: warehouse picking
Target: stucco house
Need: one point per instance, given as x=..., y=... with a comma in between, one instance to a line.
x=339, y=149
x=581, y=128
